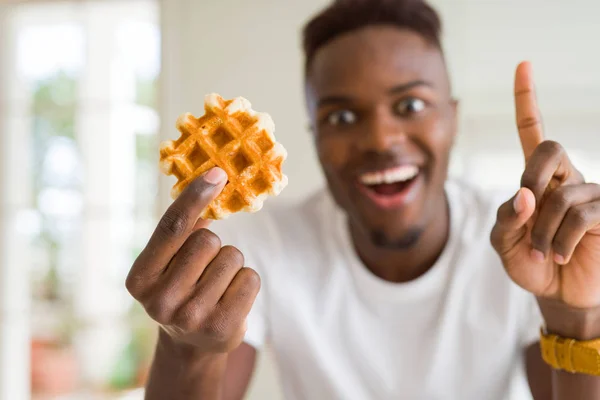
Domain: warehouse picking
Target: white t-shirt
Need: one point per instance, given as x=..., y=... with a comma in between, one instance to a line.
x=339, y=332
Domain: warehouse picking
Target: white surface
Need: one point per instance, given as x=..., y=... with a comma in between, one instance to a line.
x=238, y=47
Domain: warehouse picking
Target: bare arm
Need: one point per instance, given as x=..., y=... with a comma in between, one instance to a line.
x=539, y=374
x=240, y=366
x=180, y=373
x=547, y=383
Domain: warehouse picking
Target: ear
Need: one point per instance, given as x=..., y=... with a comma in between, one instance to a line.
x=311, y=107
x=454, y=109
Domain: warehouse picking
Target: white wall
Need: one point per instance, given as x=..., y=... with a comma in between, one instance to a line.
x=251, y=48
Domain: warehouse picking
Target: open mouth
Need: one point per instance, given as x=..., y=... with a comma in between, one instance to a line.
x=390, y=187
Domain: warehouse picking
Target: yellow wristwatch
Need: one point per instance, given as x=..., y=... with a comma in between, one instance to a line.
x=582, y=357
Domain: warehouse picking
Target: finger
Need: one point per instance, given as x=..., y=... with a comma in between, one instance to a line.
x=178, y=222
x=219, y=274
x=191, y=260
x=227, y=321
x=237, y=301
x=201, y=224
x=162, y=302
x=548, y=167
x=578, y=220
x=529, y=119
x=510, y=227
x=554, y=210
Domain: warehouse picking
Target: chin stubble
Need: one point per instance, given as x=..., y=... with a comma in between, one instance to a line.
x=409, y=240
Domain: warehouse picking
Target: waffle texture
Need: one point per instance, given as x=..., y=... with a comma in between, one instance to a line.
x=232, y=136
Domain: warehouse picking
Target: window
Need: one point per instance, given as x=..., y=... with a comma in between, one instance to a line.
x=81, y=85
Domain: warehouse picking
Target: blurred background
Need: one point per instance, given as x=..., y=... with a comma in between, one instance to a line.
x=88, y=89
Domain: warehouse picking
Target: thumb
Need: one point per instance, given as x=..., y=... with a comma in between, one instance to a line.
x=510, y=227
x=214, y=177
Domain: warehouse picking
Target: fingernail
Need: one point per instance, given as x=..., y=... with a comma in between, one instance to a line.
x=559, y=259
x=517, y=202
x=537, y=256
x=215, y=175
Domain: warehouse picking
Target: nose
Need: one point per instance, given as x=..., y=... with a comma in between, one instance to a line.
x=382, y=132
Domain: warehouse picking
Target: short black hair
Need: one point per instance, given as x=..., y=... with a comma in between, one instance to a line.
x=343, y=16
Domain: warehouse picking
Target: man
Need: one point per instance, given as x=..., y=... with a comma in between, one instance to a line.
x=386, y=286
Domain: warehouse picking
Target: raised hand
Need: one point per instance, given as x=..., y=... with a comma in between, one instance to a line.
x=548, y=234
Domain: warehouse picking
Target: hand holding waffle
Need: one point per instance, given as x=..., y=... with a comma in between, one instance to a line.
x=199, y=292
x=225, y=161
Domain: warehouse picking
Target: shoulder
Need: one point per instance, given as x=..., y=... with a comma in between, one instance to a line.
x=473, y=215
x=475, y=207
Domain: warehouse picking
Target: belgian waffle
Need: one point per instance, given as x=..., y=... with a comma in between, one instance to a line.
x=237, y=139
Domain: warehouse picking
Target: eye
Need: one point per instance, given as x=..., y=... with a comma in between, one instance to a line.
x=410, y=106
x=341, y=117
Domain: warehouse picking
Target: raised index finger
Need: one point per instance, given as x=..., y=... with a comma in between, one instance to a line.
x=529, y=119
x=179, y=221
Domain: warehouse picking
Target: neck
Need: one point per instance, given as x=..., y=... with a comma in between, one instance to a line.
x=407, y=264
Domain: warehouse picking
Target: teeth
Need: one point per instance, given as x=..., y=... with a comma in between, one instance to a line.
x=393, y=175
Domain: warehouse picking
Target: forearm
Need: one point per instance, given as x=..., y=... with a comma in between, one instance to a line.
x=579, y=325
x=566, y=385
x=178, y=373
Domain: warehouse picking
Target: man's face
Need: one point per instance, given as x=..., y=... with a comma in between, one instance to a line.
x=384, y=120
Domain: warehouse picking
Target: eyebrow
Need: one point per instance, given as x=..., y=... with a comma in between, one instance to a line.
x=408, y=86
x=332, y=100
